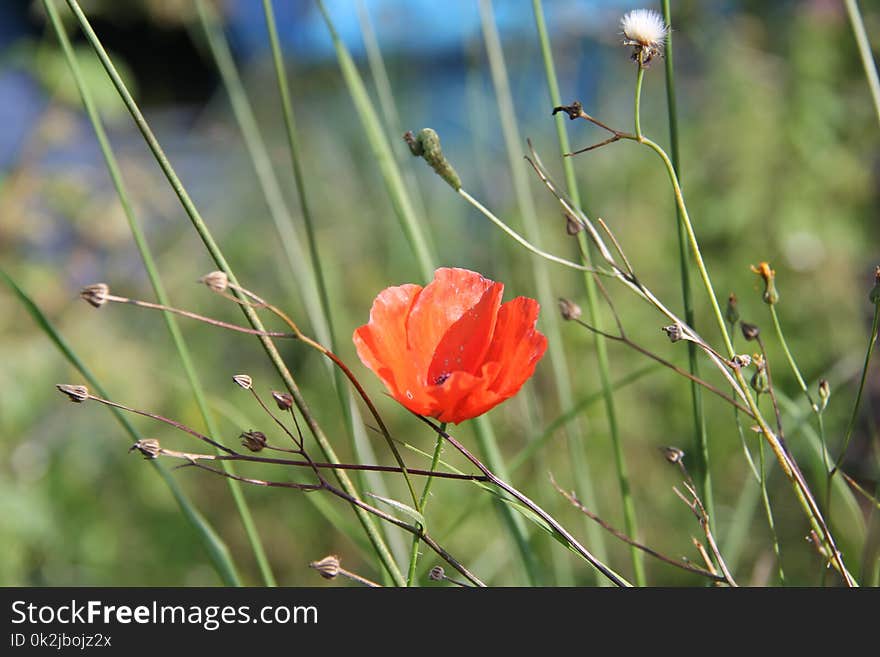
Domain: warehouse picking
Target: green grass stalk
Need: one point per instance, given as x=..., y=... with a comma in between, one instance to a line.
x=820, y=423
x=384, y=156
x=361, y=443
x=216, y=548
x=799, y=485
x=577, y=451
x=263, y=167
x=423, y=501
x=367, y=522
x=704, y=473
x=379, y=73
x=861, y=35
x=161, y=295
x=872, y=341
x=540, y=272
x=743, y=512
x=771, y=522
x=637, y=114
x=417, y=236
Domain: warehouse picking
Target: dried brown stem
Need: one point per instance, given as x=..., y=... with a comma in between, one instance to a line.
x=192, y=460
x=196, y=316
x=695, y=504
x=248, y=458
x=705, y=556
x=362, y=393
x=575, y=502
x=617, y=246
x=532, y=506
x=772, y=393
x=161, y=418
x=645, y=352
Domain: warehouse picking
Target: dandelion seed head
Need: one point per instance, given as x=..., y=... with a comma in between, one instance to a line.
x=643, y=27
x=645, y=30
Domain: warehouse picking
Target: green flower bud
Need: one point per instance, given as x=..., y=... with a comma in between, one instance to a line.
x=760, y=383
x=732, y=311
x=824, y=394
x=427, y=145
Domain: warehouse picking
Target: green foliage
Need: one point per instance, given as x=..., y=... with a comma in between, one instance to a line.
x=778, y=141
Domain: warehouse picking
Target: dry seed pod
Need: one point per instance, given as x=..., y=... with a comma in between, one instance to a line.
x=96, y=294
x=76, y=394
x=569, y=310
x=328, y=567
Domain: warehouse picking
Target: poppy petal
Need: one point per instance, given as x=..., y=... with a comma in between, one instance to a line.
x=381, y=346
x=442, y=303
x=463, y=347
x=517, y=345
x=451, y=350
x=464, y=395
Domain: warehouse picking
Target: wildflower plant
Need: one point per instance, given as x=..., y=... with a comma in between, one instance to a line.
x=447, y=349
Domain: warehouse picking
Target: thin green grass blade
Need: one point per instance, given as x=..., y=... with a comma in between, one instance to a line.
x=387, y=104
x=264, y=169
x=384, y=156
x=575, y=411
x=417, y=236
x=306, y=269
x=577, y=450
x=217, y=550
x=799, y=421
x=367, y=521
x=540, y=271
x=363, y=448
x=704, y=473
x=861, y=35
x=528, y=452
x=159, y=289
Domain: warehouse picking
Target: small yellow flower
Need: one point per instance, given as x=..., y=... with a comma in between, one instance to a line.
x=763, y=270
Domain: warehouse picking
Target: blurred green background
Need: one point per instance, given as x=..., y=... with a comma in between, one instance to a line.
x=780, y=163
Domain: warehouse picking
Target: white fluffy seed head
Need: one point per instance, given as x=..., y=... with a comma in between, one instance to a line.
x=643, y=27
x=645, y=30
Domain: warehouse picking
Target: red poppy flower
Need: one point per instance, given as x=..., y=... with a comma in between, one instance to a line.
x=451, y=350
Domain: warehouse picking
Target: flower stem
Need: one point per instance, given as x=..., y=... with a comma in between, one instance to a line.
x=801, y=490
x=423, y=502
x=640, y=76
x=523, y=241
x=791, y=362
x=551, y=522
x=418, y=238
